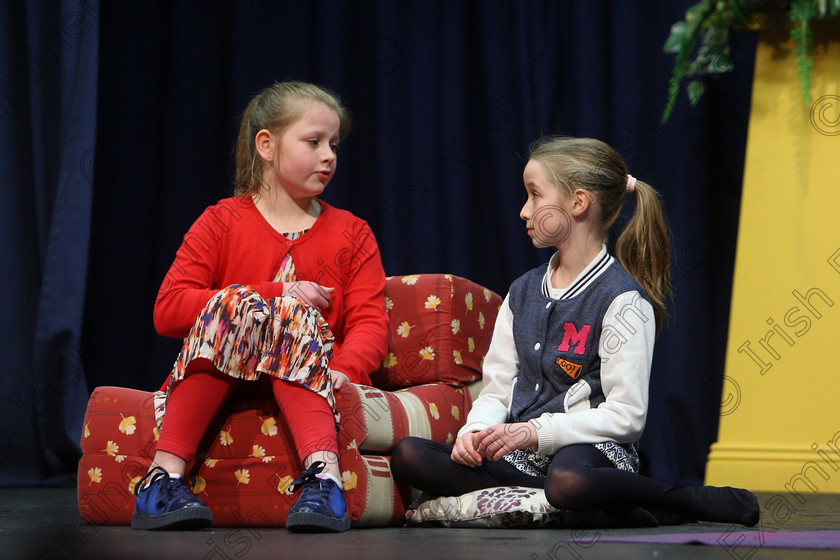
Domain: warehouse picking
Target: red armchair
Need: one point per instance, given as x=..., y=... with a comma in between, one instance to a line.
x=440, y=328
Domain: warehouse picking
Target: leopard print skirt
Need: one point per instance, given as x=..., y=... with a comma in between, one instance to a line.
x=625, y=456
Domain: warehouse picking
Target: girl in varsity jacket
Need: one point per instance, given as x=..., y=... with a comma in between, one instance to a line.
x=566, y=376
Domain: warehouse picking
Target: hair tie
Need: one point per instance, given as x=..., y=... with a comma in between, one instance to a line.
x=631, y=183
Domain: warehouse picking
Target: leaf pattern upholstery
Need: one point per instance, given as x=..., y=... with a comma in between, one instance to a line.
x=248, y=460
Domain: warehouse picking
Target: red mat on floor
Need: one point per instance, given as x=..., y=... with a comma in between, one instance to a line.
x=749, y=538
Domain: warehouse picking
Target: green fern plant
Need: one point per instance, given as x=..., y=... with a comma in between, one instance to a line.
x=801, y=12
x=701, y=41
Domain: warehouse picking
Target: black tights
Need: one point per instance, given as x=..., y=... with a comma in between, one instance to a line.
x=580, y=478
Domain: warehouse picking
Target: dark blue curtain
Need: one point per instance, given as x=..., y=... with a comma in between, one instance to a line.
x=47, y=130
x=447, y=96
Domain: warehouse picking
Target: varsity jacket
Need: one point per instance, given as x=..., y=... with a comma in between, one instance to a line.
x=574, y=362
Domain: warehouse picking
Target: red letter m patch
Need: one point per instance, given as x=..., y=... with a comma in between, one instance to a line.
x=574, y=337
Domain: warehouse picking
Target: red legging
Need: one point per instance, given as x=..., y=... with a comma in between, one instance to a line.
x=195, y=400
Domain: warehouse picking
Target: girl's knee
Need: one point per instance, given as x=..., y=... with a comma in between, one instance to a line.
x=405, y=457
x=402, y=452
x=231, y=295
x=235, y=291
x=296, y=307
x=564, y=489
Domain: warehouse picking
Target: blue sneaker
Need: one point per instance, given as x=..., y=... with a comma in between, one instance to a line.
x=321, y=506
x=165, y=503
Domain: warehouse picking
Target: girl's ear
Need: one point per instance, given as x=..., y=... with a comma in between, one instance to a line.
x=581, y=202
x=264, y=142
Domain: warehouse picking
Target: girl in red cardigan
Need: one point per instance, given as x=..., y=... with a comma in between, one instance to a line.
x=270, y=282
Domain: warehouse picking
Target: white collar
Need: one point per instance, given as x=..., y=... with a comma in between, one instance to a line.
x=593, y=270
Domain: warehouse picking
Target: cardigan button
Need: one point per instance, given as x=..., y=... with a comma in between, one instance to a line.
x=547, y=305
x=537, y=346
x=537, y=387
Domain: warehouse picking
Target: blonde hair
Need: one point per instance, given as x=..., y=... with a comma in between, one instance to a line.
x=643, y=248
x=275, y=109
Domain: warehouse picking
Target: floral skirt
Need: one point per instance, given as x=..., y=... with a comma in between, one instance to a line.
x=624, y=456
x=245, y=336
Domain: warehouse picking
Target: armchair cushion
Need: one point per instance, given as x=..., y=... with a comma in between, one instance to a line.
x=440, y=329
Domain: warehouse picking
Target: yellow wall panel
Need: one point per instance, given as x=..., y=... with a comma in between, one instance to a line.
x=780, y=415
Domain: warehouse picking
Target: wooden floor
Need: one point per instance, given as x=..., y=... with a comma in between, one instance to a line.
x=43, y=524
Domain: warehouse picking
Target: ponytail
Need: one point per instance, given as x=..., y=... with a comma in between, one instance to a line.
x=248, y=168
x=643, y=249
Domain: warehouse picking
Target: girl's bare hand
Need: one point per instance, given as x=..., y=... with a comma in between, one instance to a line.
x=339, y=378
x=464, y=452
x=312, y=294
x=496, y=441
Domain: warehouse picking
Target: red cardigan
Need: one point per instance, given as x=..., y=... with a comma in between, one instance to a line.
x=231, y=243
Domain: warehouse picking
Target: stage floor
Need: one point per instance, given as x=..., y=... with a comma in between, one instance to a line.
x=43, y=524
